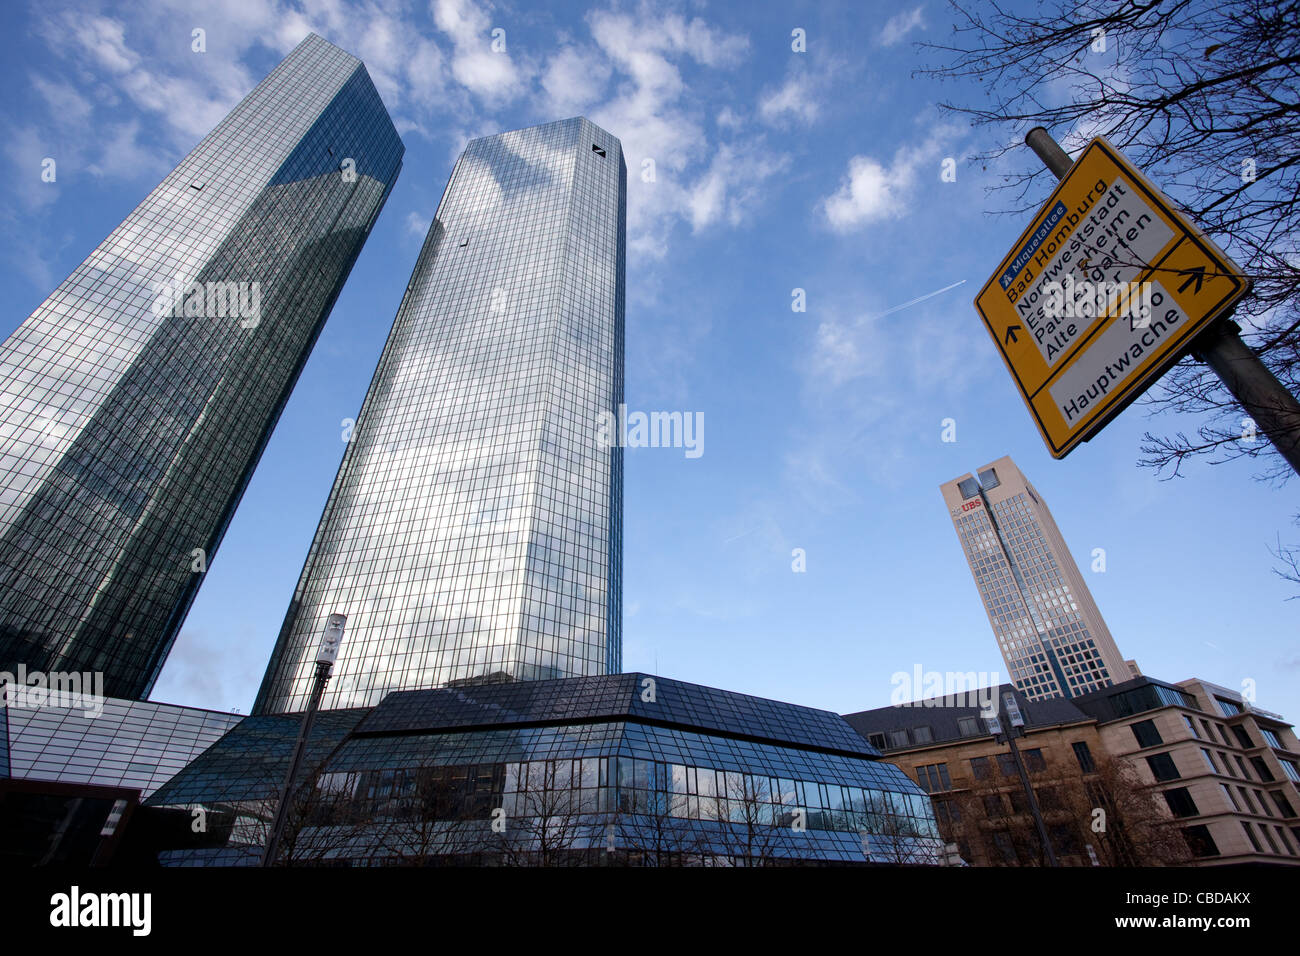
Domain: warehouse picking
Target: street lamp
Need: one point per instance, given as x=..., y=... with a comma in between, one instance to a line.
x=1017, y=722
x=326, y=654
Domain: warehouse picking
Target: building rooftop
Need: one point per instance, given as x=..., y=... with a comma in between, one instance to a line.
x=944, y=721
x=613, y=697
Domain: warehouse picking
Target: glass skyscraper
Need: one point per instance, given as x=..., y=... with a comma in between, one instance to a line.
x=474, y=530
x=1051, y=635
x=136, y=400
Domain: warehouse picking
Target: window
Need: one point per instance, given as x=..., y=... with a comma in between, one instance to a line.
x=597, y=150
x=993, y=805
x=922, y=735
x=1209, y=759
x=947, y=812
x=1271, y=738
x=1227, y=707
x=1084, y=756
x=969, y=727
x=934, y=777
x=1191, y=726
x=1199, y=841
x=877, y=741
x=1146, y=734
x=1250, y=801
x=1162, y=767
x=1180, y=802
x=1049, y=798
x=1003, y=846
x=1065, y=839
x=1281, y=838
x=1250, y=832
x=1261, y=768
x=1269, y=837
x=979, y=766
x=1243, y=738
x=1007, y=764
x=1291, y=770
x=896, y=738
x=1034, y=760
x=1283, y=804
x=1232, y=797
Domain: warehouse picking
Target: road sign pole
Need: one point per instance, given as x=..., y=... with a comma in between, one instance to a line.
x=1266, y=400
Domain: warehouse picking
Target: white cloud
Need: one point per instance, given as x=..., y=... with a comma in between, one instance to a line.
x=652, y=115
x=573, y=79
x=488, y=73
x=123, y=156
x=796, y=100
x=899, y=26
x=733, y=183
x=417, y=225
x=868, y=192
x=729, y=119
x=64, y=102
x=871, y=191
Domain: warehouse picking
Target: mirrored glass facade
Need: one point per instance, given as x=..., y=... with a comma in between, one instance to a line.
x=136, y=400
x=135, y=744
x=474, y=529
x=650, y=770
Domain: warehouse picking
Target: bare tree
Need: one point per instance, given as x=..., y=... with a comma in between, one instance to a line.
x=547, y=818
x=1109, y=809
x=894, y=834
x=436, y=815
x=1205, y=96
x=1138, y=830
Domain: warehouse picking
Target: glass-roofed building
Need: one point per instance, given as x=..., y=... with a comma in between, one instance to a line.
x=617, y=769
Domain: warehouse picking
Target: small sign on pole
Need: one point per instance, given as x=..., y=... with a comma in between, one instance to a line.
x=1101, y=295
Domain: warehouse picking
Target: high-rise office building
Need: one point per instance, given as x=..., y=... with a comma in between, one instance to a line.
x=474, y=530
x=1049, y=630
x=136, y=400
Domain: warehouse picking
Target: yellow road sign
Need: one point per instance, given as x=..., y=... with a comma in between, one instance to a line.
x=1101, y=295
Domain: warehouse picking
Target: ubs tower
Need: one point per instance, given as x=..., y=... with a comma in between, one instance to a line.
x=474, y=530
x=136, y=400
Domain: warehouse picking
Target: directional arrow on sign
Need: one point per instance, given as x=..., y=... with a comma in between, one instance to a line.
x=1196, y=275
x=1011, y=335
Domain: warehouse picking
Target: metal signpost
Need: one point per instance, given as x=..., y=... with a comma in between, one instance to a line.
x=1108, y=287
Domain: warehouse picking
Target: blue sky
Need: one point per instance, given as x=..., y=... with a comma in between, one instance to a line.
x=774, y=171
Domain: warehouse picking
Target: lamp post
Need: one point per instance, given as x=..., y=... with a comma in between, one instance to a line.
x=327, y=653
x=1017, y=722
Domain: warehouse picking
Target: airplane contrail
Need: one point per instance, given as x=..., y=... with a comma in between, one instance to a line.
x=920, y=298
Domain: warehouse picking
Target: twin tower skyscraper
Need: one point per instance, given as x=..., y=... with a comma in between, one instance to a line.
x=474, y=529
